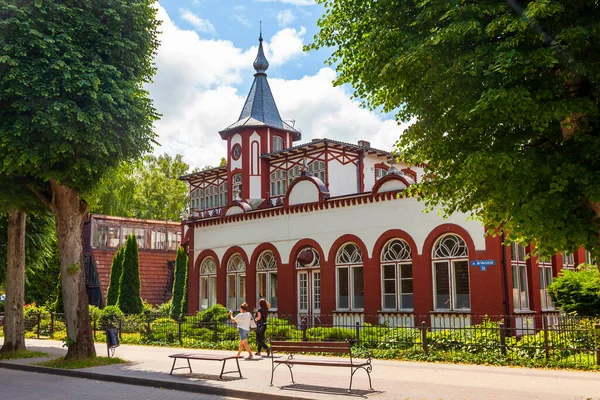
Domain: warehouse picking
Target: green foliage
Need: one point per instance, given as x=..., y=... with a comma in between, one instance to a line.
x=14, y=355
x=143, y=189
x=216, y=313
x=59, y=306
x=577, y=292
x=116, y=270
x=60, y=362
x=110, y=316
x=95, y=313
x=80, y=68
x=129, y=284
x=503, y=100
x=180, y=283
x=165, y=308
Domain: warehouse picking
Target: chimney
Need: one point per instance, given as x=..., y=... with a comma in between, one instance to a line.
x=316, y=140
x=364, y=143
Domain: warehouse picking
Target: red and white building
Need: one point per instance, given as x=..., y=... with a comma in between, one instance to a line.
x=325, y=230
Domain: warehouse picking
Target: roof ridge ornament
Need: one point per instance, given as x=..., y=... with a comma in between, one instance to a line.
x=260, y=63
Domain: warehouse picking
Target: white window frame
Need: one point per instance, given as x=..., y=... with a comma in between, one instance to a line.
x=396, y=253
x=293, y=173
x=317, y=169
x=279, y=182
x=277, y=143
x=450, y=249
x=349, y=257
x=266, y=265
x=312, y=273
x=208, y=273
x=236, y=184
x=545, y=266
x=236, y=269
x=519, y=277
x=380, y=173
x=568, y=261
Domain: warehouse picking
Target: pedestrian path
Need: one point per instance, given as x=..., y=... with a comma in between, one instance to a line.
x=391, y=379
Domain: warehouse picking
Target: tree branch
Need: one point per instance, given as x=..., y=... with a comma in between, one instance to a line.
x=44, y=197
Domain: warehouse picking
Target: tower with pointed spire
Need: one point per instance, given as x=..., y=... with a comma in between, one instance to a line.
x=258, y=130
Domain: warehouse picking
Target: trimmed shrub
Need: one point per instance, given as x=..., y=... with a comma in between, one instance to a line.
x=110, y=316
x=179, y=285
x=94, y=312
x=216, y=313
x=116, y=270
x=577, y=292
x=130, y=301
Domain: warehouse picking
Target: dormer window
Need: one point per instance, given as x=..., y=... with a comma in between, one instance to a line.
x=277, y=143
x=317, y=169
x=380, y=173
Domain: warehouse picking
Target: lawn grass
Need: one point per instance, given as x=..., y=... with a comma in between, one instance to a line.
x=60, y=362
x=13, y=355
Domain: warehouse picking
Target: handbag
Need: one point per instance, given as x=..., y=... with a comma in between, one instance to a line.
x=252, y=322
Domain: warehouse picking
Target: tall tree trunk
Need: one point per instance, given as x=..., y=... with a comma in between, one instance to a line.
x=14, y=330
x=69, y=212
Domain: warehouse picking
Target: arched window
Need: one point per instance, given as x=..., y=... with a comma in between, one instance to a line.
x=396, y=276
x=208, y=283
x=236, y=281
x=266, y=278
x=350, y=282
x=236, y=186
x=519, y=277
x=451, y=274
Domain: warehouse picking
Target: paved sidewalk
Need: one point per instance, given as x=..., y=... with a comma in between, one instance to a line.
x=150, y=366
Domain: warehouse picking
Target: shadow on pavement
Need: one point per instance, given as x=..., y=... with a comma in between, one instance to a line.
x=330, y=390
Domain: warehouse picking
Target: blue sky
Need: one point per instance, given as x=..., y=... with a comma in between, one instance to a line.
x=205, y=71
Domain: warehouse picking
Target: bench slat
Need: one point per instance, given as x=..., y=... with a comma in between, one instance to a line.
x=309, y=349
x=301, y=344
x=211, y=357
x=321, y=363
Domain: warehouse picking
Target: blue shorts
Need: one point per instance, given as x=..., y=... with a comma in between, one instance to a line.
x=243, y=333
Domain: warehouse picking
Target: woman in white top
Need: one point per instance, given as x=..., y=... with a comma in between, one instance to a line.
x=243, y=322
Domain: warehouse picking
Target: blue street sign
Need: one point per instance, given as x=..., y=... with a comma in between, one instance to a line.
x=482, y=268
x=483, y=263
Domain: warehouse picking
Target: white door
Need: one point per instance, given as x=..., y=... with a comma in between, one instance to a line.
x=309, y=296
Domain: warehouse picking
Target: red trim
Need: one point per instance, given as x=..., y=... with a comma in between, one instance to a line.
x=305, y=243
x=381, y=166
x=222, y=272
x=348, y=238
x=411, y=173
x=448, y=228
x=394, y=234
x=387, y=178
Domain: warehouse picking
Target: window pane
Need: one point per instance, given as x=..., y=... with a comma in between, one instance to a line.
x=303, y=291
x=406, y=285
x=358, y=289
x=442, y=285
x=273, y=289
x=102, y=236
x=212, y=287
x=262, y=285
x=406, y=271
x=343, y=288
x=407, y=301
x=242, y=296
x=461, y=284
x=515, y=279
x=316, y=290
x=389, y=301
x=389, y=271
x=389, y=286
x=231, y=292
x=524, y=291
x=203, y=292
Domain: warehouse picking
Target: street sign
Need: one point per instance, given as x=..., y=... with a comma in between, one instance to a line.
x=482, y=268
x=483, y=263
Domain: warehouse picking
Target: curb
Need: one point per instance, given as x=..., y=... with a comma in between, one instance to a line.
x=154, y=383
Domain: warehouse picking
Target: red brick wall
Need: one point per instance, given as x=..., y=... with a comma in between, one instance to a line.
x=154, y=272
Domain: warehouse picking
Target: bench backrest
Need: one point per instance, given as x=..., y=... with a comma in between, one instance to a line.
x=311, y=347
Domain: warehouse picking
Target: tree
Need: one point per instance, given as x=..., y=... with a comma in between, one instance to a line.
x=577, y=291
x=72, y=104
x=145, y=189
x=130, y=301
x=179, y=285
x=116, y=271
x=505, y=102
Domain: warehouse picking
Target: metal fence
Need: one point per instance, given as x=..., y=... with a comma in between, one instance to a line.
x=554, y=340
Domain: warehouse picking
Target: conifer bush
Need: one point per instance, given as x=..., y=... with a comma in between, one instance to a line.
x=116, y=270
x=179, y=285
x=130, y=301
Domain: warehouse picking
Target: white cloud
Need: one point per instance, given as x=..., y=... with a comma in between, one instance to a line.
x=202, y=25
x=293, y=2
x=195, y=90
x=243, y=20
x=285, y=18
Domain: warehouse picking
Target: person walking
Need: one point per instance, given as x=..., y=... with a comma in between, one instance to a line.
x=243, y=323
x=261, y=326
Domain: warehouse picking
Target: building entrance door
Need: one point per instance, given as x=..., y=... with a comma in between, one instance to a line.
x=309, y=287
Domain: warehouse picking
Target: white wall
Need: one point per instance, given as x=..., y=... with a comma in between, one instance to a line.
x=342, y=178
x=369, y=170
x=304, y=192
x=255, y=188
x=367, y=221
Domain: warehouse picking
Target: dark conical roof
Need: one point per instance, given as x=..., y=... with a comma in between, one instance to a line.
x=260, y=108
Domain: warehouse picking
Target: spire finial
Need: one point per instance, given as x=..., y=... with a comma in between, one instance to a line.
x=260, y=64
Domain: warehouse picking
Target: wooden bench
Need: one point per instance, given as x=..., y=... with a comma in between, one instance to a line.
x=208, y=357
x=293, y=348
